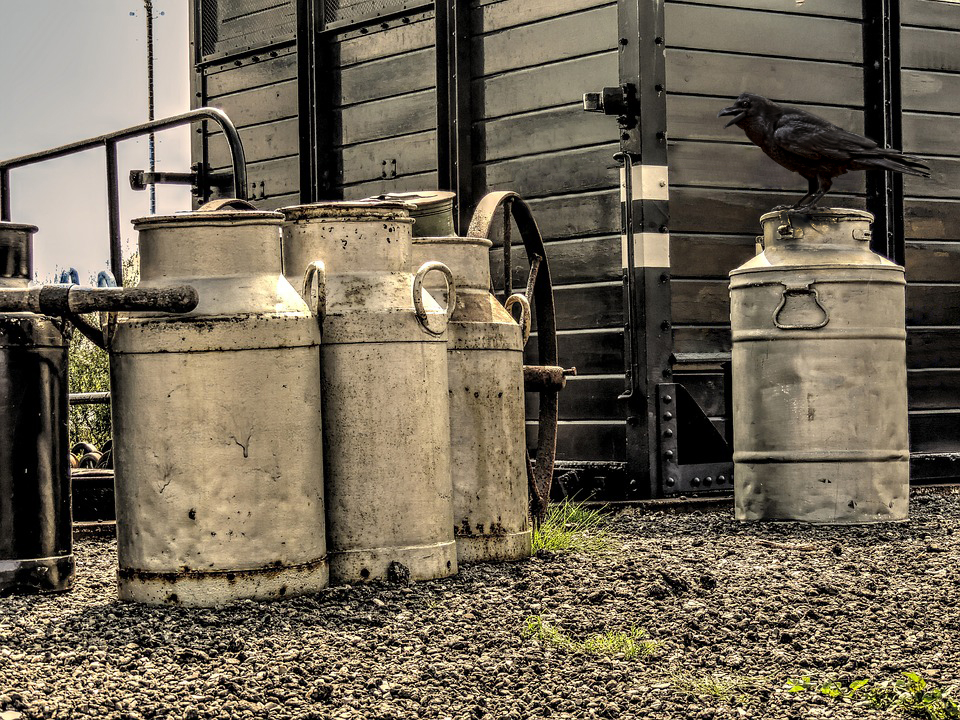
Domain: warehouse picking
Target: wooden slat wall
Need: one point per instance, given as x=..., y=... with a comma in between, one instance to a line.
x=532, y=62
x=385, y=108
x=249, y=24
x=930, y=56
x=720, y=183
x=259, y=93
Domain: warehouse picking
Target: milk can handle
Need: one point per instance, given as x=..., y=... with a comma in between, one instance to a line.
x=315, y=289
x=799, y=290
x=521, y=300
x=418, y=307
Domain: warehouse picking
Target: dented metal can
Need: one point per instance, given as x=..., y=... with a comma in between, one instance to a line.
x=36, y=541
x=491, y=507
x=819, y=374
x=216, y=419
x=384, y=379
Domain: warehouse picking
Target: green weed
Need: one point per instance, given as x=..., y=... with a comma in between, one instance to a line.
x=631, y=644
x=727, y=688
x=573, y=527
x=909, y=693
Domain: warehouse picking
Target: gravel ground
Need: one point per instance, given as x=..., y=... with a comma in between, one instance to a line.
x=735, y=610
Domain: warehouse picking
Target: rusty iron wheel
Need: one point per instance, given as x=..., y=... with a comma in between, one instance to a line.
x=545, y=378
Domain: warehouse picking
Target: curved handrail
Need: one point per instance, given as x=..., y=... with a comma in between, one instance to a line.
x=205, y=113
x=109, y=143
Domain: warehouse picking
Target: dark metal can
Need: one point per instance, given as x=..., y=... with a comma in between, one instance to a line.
x=36, y=544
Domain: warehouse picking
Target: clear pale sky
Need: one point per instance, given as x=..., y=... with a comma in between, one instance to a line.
x=73, y=69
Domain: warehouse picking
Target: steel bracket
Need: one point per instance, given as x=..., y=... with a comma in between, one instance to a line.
x=693, y=456
x=621, y=101
x=202, y=182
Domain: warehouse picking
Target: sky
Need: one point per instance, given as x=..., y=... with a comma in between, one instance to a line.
x=74, y=69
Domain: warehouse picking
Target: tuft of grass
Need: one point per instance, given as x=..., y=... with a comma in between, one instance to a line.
x=572, y=527
x=540, y=629
x=739, y=688
x=632, y=644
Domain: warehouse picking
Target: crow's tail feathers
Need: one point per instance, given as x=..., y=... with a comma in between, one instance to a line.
x=884, y=159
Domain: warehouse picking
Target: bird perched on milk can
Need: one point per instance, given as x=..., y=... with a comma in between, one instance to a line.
x=813, y=147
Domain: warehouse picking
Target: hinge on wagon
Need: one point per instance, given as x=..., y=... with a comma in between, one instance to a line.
x=621, y=101
x=202, y=182
x=694, y=456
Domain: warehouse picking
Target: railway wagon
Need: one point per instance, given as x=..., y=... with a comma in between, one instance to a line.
x=645, y=204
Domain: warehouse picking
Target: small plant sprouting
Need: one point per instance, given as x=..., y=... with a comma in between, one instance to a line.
x=571, y=526
x=909, y=693
x=542, y=630
x=631, y=644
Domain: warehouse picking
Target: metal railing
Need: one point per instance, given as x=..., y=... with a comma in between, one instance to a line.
x=109, y=142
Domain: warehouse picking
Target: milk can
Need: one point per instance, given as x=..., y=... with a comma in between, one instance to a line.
x=384, y=378
x=36, y=546
x=819, y=374
x=485, y=372
x=216, y=418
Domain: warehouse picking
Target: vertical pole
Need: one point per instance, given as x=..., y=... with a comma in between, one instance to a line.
x=197, y=99
x=315, y=176
x=4, y=194
x=151, y=141
x=113, y=212
x=454, y=121
x=882, y=121
x=445, y=163
x=646, y=241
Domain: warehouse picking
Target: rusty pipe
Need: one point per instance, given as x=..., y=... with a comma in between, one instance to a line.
x=66, y=300
x=541, y=378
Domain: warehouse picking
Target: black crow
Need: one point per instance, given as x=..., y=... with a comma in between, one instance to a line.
x=811, y=146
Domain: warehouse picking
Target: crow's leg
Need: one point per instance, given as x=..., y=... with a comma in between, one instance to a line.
x=812, y=182
x=825, y=184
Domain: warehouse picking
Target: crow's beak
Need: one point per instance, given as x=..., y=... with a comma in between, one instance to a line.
x=740, y=114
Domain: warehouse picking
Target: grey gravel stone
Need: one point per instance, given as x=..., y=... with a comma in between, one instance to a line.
x=749, y=605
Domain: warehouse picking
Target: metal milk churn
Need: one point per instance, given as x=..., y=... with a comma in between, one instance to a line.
x=819, y=374
x=384, y=378
x=491, y=506
x=216, y=419
x=36, y=543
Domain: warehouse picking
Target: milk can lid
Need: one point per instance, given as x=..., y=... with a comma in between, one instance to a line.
x=433, y=211
x=6, y=225
x=372, y=208
x=213, y=212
